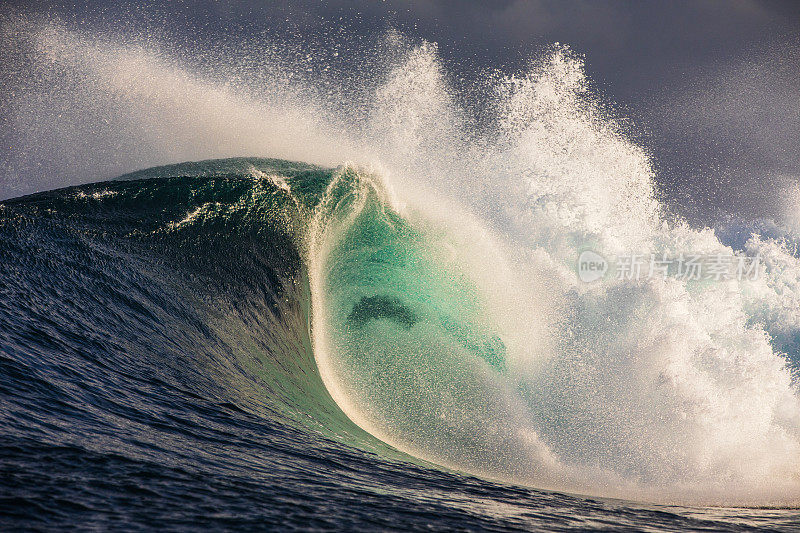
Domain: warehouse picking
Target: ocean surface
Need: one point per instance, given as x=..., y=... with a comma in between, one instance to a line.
x=446, y=304
x=159, y=367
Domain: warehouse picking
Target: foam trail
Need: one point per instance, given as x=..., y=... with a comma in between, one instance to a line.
x=502, y=362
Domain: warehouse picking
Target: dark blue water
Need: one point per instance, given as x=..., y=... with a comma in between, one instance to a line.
x=156, y=372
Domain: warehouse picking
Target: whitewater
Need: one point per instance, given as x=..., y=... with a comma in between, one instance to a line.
x=390, y=305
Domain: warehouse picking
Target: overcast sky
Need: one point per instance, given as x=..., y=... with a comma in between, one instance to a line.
x=713, y=86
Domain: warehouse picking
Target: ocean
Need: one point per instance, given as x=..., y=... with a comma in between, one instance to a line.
x=409, y=318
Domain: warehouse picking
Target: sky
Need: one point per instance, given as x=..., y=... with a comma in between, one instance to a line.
x=712, y=87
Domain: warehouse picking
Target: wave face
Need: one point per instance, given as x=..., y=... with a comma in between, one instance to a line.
x=400, y=341
x=159, y=342
x=155, y=345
